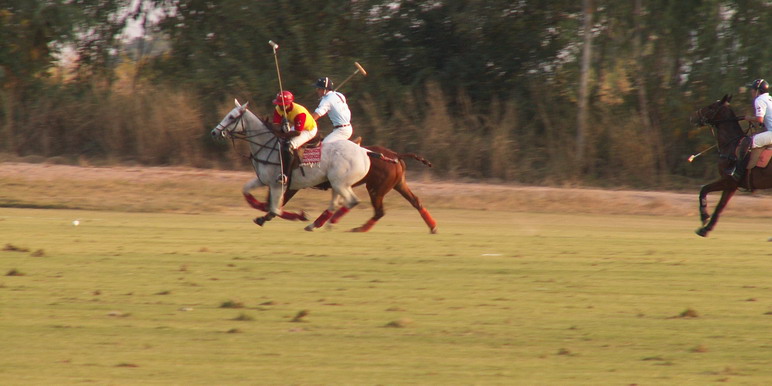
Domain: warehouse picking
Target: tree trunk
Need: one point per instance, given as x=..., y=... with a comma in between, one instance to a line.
x=6, y=130
x=654, y=136
x=584, y=80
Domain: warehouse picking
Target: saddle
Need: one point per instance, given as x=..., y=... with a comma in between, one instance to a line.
x=308, y=154
x=762, y=157
x=748, y=159
x=758, y=157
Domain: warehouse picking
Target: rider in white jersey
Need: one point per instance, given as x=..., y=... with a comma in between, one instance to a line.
x=333, y=104
x=762, y=105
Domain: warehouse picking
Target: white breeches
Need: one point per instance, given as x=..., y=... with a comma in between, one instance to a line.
x=304, y=137
x=341, y=133
x=762, y=139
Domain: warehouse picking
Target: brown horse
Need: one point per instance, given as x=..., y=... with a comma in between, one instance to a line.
x=382, y=177
x=728, y=133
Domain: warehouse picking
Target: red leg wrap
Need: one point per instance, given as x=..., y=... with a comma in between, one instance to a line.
x=428, y=218
x=253, y=202
x=294, y=216
x=338, y=214
x=322, y=218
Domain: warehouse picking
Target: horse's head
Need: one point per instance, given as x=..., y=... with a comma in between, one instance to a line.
x=713, y=113
x=230, y=123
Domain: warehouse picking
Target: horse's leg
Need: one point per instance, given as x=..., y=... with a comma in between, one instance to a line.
x=262, y=220
x=287, y=215
x=342, y=210
x=350, y=200
x=376, y=198
x=274, y=205
x=405, y=191
x=251, y=200
x=263, y=206
x=708, y=188
x=326, y=215
x=729, y=188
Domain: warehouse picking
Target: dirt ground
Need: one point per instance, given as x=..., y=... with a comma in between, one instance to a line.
x=434, y=193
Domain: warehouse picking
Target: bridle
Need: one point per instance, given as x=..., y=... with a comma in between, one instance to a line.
x=272, y=144
x=703, y=120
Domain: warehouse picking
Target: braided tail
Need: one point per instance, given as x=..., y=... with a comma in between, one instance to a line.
x=415, y=157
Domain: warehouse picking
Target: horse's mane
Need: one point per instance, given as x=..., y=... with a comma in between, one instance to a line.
x=735, y=123
x=268, y=126
x=266, y=121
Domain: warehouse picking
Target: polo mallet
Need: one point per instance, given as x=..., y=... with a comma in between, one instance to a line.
x=281, y=95
x=359, y=69
x=693, y=156
x=278, y=74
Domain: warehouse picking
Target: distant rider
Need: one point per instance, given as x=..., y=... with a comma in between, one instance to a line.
x=297, y=122
x=762, y=104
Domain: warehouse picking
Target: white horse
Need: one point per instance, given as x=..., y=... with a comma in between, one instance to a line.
x=343, y=164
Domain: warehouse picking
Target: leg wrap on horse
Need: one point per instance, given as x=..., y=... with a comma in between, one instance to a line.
x=338, y=214
x=253, y=202
x=322, y=219
x=428, y=219
x=287, y=215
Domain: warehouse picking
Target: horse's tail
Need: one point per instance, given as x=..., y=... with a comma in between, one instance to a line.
x=415, y=157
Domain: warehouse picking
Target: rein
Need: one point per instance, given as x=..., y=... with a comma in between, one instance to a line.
x=714, y=126
x=271, y=144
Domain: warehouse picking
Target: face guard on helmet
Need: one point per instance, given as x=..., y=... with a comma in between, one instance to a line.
x=324, y=83
x=284, y=98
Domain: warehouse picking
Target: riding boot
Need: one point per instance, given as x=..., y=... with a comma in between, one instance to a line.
x=741, y=168
x=286, y=163
x=742, y=153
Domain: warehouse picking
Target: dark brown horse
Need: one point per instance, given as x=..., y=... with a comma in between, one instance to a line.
x=382, y=177
x=728, y=133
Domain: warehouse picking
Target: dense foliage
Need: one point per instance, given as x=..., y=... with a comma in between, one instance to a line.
x=485, y=89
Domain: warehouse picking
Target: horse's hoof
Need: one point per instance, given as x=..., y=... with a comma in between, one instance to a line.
x=434, y=231
x=259, y=221
x=310, y=227
x=357, y=230
x=303, y=216
x=702, y=232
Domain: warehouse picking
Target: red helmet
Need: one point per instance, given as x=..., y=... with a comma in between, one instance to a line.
x=284, y=98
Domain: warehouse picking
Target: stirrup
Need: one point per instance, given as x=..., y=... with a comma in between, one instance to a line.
x=737, y=174
x=282, y=179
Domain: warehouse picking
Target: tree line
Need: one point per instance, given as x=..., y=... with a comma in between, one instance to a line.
x=592, y=92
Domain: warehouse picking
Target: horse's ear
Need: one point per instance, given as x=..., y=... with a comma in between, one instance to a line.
x=724, y=99
x=244, y=106
x=237, y=102
x=729, y=99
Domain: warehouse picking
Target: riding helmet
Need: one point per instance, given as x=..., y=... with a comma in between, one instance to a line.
x=761, y=85
x=284, y=98
x=324, y=83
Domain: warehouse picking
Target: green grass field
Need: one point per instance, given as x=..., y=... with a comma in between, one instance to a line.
x=494, y=298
